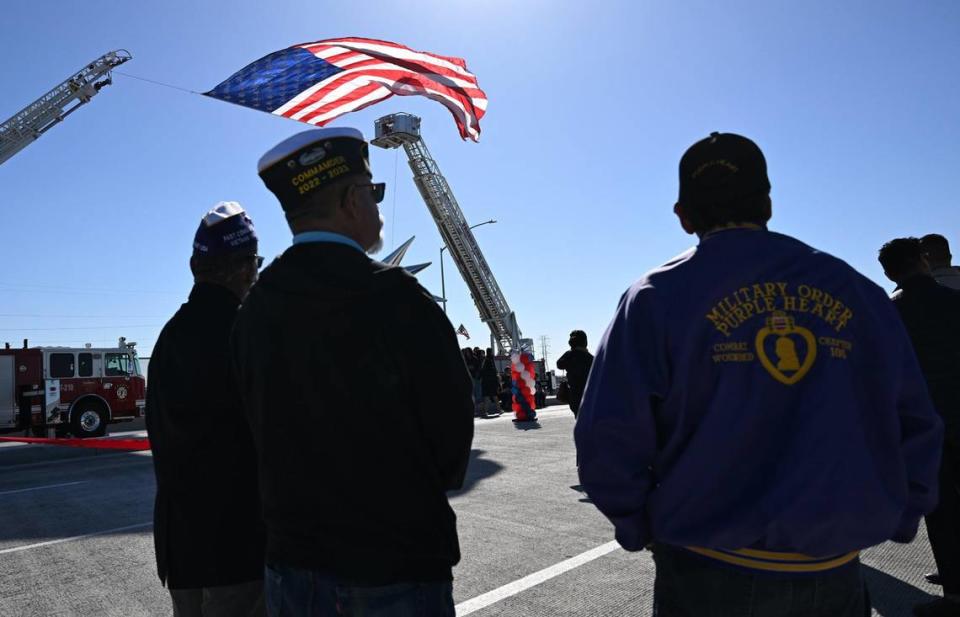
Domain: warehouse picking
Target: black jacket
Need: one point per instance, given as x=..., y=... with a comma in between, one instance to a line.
x=577, y=363
x=931, y=314
x=362, y=412
x=489, y=378
x=207, y=526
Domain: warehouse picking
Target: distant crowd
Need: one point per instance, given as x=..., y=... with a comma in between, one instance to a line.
x=493, y=389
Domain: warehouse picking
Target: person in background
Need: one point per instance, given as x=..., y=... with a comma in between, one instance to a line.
x=489, y=384
x=473, y=363
x=477, y=375
x=468, y=358
x=208, y=532
x=576, y=362
x=540, y=395
x=356, y=449
x=931, y=313
x=936, y=250
x=506, y=391
x=755, y=413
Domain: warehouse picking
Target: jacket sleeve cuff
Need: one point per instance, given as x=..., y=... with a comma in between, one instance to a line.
x=632, y=537
x=907, y=529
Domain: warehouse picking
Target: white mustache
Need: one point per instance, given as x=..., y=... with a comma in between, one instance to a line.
x=378, y=245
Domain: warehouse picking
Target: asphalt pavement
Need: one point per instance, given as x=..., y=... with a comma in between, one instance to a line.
x=76, y=539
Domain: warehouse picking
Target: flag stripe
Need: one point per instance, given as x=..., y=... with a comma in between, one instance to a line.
x=329, y=105
x=395, y=50
x=358, y=88
x=437, y=71
x=375, y=96
x=354, y=90
x=385, y=74
x=341, y=57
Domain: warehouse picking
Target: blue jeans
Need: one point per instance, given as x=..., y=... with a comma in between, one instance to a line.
x=293, y=592
x=477, y=390
x=240, y=600
x=688, y=585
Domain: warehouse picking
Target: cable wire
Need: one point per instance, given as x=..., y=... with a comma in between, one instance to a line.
x=393, y=216
x=107, y=327
x=159, y=83
x=49, y=316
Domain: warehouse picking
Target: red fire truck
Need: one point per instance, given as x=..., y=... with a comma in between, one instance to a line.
x=73, y=390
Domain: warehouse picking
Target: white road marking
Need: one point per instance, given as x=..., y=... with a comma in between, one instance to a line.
x=512, y=589
x=12, y=444
x=37, y=488
x=140, y=433
x=27, y=547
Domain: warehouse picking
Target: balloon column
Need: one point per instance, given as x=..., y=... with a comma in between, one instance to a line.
x=524, y=386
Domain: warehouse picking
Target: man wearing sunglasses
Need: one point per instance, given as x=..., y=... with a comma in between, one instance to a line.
x=356, y=449
x=208, y=533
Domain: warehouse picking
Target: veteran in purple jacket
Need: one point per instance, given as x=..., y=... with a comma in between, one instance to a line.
x=755, y=413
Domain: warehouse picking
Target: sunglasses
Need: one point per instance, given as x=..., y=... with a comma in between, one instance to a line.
x=377, y=189
x=259, y=261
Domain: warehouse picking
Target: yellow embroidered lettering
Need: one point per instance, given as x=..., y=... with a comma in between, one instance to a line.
x=845, y=317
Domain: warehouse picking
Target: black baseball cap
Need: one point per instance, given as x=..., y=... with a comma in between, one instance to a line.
x=721, y=169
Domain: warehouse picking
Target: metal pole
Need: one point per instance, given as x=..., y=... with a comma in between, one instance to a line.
x=443, y=285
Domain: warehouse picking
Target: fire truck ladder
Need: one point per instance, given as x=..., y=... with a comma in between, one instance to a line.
x=403, y=129
x=38, y=117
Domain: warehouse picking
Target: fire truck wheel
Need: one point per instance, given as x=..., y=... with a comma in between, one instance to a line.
x=89, y=420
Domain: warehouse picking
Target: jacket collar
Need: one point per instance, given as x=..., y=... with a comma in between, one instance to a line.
x=732, y=227
x=314, y=237
x=946, y=271
x=917, y=281
x=214, y=295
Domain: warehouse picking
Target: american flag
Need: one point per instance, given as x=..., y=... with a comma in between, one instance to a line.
x=463, y=331
x=317, y=82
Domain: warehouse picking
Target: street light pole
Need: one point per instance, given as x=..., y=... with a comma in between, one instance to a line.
x=443, y=285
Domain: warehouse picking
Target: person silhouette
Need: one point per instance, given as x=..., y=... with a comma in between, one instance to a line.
x=787, y=354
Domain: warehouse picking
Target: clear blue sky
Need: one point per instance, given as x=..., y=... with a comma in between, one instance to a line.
x=856, y=105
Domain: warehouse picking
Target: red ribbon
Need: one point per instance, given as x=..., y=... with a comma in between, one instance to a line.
x=129, y=445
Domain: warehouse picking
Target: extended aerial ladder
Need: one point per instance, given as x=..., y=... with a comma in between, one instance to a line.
x=403, y=129
x=40, y=116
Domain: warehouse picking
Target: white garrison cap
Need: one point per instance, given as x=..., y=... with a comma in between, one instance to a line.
x=301, y=140
x=221, y=212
